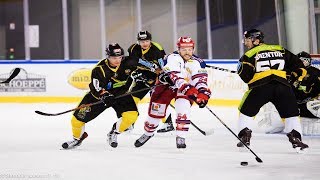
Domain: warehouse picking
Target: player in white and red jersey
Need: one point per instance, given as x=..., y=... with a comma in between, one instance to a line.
x=184, y=79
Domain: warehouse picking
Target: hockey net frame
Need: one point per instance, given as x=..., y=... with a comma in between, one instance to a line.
x=269, y=120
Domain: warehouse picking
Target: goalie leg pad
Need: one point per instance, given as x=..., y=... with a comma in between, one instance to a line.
x=314, y=107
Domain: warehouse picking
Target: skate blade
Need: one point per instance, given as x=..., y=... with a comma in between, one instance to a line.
x=68, y=149
x=181, y=150
x=299, y=151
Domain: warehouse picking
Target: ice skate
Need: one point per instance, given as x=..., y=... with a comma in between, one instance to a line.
x=112, y=137
x=75, y=142
x=295, y=139
x=181, y=144
x=167, y=127
x=142, y=140
x=245, y=136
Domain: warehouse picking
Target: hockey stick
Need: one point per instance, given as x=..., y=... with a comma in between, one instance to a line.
x=221, y=69
x=13, y=75
x=257, y=158
x=206, y=133
x=95, y=103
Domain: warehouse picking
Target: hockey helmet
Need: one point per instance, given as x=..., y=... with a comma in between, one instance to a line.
x=114, y=49
x=185, y=41
x=305, y=58
x=254, y=34
x=144, y=35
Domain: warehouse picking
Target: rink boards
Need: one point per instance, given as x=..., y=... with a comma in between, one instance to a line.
x=59, y=81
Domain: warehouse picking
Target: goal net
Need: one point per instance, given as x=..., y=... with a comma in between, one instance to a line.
x=270, y=121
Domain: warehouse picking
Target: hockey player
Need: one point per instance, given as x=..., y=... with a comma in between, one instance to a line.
x=185, y=80
x=150, y=55
x=264, y=68
x=307, y=91
x=108, y=80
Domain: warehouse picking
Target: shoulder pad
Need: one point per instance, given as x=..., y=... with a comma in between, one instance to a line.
x=263, y=47
x=131, y=48
x=157, y=45
x=201, y=61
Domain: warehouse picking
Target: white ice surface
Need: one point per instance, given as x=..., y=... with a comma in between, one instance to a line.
x=30, y=149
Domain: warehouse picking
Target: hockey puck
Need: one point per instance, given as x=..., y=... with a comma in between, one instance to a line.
x=244, y=163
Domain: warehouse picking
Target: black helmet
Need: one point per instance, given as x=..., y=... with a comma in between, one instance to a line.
x=305, y=58
x=144, y=35
x=114, y=49
x=254, y=34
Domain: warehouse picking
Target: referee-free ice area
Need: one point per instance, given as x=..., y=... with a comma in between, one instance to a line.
x=31, y=149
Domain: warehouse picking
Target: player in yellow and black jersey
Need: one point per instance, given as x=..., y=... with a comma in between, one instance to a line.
x=150, y=56
x=264, y=68
x=109, y=79
x=150, y=53
x=307, y=91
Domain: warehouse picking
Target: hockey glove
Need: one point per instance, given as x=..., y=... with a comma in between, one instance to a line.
x=143, y=76
x=108, y=98
x=189, y=91
x=164, y=78
x=203, y=97
x=152, y=66
x=139, y=77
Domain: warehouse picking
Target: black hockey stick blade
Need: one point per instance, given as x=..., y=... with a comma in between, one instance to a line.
x=46, y=114
x=259, y=160
x=15, y=72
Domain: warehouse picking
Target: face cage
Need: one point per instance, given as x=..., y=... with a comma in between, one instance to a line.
x=306, y=61
x=251, y=38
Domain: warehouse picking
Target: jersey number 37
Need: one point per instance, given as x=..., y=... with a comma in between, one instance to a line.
x=265, y=65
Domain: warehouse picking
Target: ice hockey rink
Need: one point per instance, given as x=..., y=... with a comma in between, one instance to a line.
x=30, y=149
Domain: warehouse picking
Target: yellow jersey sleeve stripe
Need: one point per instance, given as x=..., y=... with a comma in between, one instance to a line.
x=132, y=47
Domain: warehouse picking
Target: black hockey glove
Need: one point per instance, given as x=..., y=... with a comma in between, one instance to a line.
x=108, y=98
x=164, y=78
x=143, y=76
x=294, y=81
x=138, y=76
